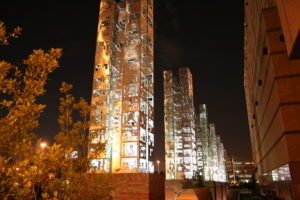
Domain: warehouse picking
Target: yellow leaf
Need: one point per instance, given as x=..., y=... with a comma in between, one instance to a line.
x=28, y=184
x=44, y=195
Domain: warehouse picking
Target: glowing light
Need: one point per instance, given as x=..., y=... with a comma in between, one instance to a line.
x=281, y=174
x=43, y=145
x=126, y=117
x=158, y=162
x=179, y=125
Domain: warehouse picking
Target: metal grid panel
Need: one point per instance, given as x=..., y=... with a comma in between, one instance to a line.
x=123, y=100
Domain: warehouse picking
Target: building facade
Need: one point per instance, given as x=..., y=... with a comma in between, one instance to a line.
x=210, y=150
x=191, y=144
x=179, y=120
x=239, y=169
x=122, y=101
x=272, y=80
x=202, y=134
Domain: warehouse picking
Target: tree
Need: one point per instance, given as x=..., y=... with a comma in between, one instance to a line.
x=195, y=182
x=4, y=36
x=75, y=134
x=19, y=89
x=55, y=172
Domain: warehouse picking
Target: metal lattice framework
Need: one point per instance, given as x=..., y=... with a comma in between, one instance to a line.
x=122, y=114
x=201, y=139
x=179, y=114
x=210, y=150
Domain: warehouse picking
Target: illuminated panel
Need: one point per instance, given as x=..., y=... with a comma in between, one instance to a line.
x=123, y=114
x=209, y=149
x=214, y=160
x=187, y=114
x=281, y=174
x=170, y=156
x=201, y=139
x=180, y=158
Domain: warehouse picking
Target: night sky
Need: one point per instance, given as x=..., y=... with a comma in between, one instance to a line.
x=206, y=36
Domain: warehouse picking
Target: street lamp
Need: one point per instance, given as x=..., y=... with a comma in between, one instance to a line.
x=158, y=162
x=43, y=145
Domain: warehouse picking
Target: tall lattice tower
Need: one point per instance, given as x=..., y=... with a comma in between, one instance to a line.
x=122, y=101
x=180, y=146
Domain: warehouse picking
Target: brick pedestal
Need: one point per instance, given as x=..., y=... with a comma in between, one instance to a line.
x=138, y=186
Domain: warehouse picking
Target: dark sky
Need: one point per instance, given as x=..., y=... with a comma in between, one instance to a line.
x=206, y=36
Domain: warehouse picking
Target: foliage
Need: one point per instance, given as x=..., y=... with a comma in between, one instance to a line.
x=74, y=134
x=49, y=175
x=28, y=171
x=19, y=88
x=4, y=36
x=196, y=182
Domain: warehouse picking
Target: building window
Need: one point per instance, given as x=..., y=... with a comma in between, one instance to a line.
x=265, y=50
x=130, y=149
x=281, y=38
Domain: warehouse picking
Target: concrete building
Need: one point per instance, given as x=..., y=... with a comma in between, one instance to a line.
x=122, y=101
x=180, y=157
x=272, y=86
x=239, y=169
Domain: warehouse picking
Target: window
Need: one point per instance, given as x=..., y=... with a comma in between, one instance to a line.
x=129, y=163
x=281, y=38
x=104, y=23
x=265, y=51
x=129, y=149
x=133, y=60
x=100, y=80
x=97, y=67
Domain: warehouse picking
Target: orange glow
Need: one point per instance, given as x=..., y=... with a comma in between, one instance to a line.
x=129, y=141
x=43, y=145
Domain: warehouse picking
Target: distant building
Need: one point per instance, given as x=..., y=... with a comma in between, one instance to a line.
x=191, y=144
x=239, y=169
x=210, y=150
x=179, y=120
x=272, y=87
x=122, y=101
x=202, y=135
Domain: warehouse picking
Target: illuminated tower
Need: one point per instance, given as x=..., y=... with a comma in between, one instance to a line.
x=202, y=135
x=214, y=170
x=210, y=150
x=122, y=113
x=180, y=158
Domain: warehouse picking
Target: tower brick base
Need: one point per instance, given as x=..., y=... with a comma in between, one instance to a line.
x=138, y=186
